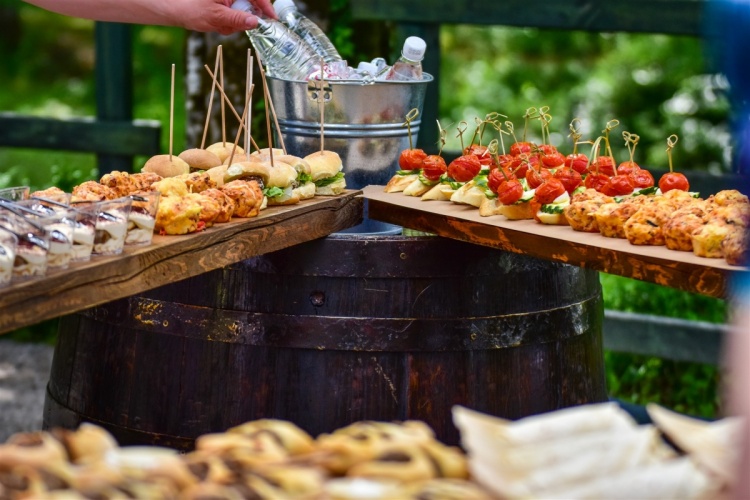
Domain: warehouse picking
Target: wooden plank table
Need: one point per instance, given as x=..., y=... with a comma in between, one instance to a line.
x=173, y=258
x=681, y=270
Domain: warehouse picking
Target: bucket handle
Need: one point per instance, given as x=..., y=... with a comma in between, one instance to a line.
x=319, y=91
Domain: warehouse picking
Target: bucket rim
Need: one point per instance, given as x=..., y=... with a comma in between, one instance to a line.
x=426, y=78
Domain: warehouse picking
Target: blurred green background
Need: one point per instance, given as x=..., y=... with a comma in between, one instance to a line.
x=654, y=85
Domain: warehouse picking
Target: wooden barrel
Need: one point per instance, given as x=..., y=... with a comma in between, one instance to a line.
x=337, y=330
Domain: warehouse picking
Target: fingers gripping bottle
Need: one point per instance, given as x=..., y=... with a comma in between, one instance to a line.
x=409, y=65
x=310, y=32
x=284, y=53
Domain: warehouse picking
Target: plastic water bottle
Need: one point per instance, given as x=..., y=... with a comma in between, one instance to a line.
x=284, y=53
x=367, y=71
x=409, y=65
x=382, y=66
x=306, y=29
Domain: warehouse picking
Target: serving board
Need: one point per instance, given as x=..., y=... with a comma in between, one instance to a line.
x=173, y=258
x=680, y=270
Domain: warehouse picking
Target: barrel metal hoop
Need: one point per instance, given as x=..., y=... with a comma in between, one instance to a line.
x=351, y=333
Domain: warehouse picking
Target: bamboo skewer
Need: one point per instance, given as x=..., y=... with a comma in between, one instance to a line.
x=269, y=102
x=322, y=106
x=211, y=98
x=239, y=129
x=249, y=104
x=223, y=120
x=268, y=115
x=171, y=115
x=231, y=107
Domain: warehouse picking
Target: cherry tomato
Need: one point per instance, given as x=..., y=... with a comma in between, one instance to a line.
x=497, y=177
x=523, y=163
x=569, y=178
x=673, y=180
x=578, y=162
x=411, y=159
x=480, y=152
x=509, y=192
x=520, y=147
x=553, y=160
x=595, y=181
x=535, y=178
x=548, y=191
x=618, y=185
x=502, y=160
x=627, y=167
x=433, y=167
x=603, y=165
x=464, y=168
x=642, y=178
x=547, y=149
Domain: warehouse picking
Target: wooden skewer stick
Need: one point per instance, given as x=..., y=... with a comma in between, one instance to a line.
x=225, y=98
x=223, y=121
x=239, y=130
x=249, y=104
x=268, y=114
x=171, y=115
x=211, y=98
x=270, y=104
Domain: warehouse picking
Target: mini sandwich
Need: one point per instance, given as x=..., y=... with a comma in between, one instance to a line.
x=304, y=187
x=166, y=165
x=402, y=180
x=281, y=185
x=248, y=170
x=200, y=159
x=326, y=170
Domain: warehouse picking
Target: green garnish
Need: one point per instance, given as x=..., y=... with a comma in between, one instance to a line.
x=329, y=180
x=273, y=192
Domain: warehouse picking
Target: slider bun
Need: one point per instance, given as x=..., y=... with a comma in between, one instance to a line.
x=217, y=174
x=162, y=166
x=265, y=153
x=200, y=159
x=282, y=175
x=224, y=149
x=299, y=164
x=324, y=164
x=244, y=169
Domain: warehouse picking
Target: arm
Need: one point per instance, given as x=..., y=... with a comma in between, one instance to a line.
x=197, y=15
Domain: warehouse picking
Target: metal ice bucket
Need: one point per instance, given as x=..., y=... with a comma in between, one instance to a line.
x=364, y=123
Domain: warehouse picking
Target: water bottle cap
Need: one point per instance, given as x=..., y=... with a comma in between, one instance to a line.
x=414, y=48
x=244, y=5
x=368, y=67
x=280, y=5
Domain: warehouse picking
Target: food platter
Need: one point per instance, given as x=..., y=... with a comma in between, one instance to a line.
x=172, y=258
x=680, y=270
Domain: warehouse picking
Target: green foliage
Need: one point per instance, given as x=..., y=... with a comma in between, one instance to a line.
x=654, y=85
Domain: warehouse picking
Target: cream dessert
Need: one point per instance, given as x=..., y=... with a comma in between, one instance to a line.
x=140, y=227
x=83, y=240
x=111, y=228
x=7, y=257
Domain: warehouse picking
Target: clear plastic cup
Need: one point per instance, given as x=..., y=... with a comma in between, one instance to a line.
x=111, y=226
x=16, y=193
x=60, y=222
x=85, y=231
x=8, y=245
x=142, y=218
x=33, y=245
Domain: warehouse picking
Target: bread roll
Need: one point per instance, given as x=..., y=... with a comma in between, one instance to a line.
x=281, y=175
x=324, y=164
x=200, y=159
x=164, y=166
x=224, y=150
x=248, y=169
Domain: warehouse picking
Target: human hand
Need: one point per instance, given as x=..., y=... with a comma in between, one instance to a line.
x=218, y=16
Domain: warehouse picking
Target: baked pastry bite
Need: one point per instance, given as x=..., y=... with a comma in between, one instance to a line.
x=89, y=443
x=120, y=182
x=143, y=180
x=734, y=247
x=678, y=229
x=247, y=196
x=35, y=449
x=707, y=240
x=92, y=191
x=611, y=218
x=198, y=182
x=293, y=439
x=644, y=227
x=226, y=204
x=178, y=215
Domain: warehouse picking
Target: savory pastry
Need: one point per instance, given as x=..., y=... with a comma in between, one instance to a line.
x=293, y=439
x=400, y=181
x=178, y=215
x=734, y=247
x=170, y=186
x=92, y=191
x=413, y=462
x=89, y=443
x=678, y=229
x=644, y=227
x=247, y=197
x=144, y=180
x=217, y=174
x=34, y=449
x=728, y=197
x=210, y=208
x=119, y=182
x=611, y=218
x=197, y=182
x=226, y=204
x=707, y=240
x=53, y=193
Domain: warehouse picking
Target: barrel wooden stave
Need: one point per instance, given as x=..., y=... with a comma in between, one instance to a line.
x=257, y=340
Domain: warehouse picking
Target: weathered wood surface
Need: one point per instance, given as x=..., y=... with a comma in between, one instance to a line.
x=681, y=270
x=173, y=258
x=678, y=17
